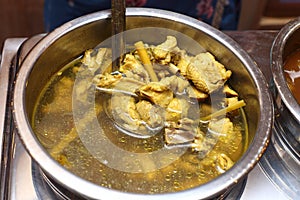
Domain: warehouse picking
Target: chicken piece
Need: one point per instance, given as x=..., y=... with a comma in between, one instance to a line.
x=223, y=163
x=196, y=94
x=204, y=143
x=152, y=115
x=96, y=59
x=229, y=137
x=142, y=117
x=157, y=93
x=175, y=83
x=143, y=108
x=183, y=64
x=133, y=68
x=206, y=73
x=107, y=80
x=229, y=91
x=231, y=100
x=177, y=109
x=123, y=109
x=181, y=132
x=221, y=127
x=163, y=50
x=178, y=54
x=161, y=74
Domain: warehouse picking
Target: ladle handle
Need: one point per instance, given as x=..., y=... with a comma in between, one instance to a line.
x=118, y=22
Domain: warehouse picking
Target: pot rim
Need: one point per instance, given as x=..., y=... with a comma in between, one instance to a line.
x=276, y=58
x=91, y=190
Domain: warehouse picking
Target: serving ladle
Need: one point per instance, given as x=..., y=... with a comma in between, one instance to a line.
x=118, y=23
x=122, y=119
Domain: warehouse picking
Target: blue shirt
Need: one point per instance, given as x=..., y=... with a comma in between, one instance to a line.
x=57, y=12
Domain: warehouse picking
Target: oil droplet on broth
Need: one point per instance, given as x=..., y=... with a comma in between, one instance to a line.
x=189, y=175
x=168, y=177
x=176, y=184
x=122, y=139
x=201, y=175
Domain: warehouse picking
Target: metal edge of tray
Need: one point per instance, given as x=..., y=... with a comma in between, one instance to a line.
x=7, y=61
x=20, y=187
x=280, y=167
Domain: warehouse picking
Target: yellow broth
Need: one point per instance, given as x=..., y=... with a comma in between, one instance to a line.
x=53, y=120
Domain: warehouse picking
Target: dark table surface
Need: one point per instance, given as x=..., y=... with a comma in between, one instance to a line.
x=258, y=45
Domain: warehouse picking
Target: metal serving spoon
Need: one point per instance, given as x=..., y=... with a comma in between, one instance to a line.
x=118, y=23
x=130, y=129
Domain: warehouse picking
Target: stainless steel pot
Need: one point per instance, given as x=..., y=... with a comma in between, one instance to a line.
x=70, y=40
x=282, y=159
x=287, y=120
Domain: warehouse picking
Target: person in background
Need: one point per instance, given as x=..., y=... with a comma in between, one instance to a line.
x=222, y=14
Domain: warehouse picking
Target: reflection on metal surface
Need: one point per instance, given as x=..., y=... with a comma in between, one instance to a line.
x=6, y=74
x=21, y=183
x=281, y=168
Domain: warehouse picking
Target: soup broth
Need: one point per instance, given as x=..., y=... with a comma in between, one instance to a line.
x=54, y=126
x=292, y=73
